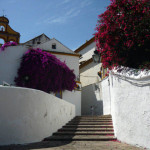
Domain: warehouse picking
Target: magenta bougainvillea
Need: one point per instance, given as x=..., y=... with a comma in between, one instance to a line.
x=8, y=44
x=43, y=71
x=123, y=34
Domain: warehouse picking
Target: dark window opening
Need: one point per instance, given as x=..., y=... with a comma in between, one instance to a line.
x=2, y=28
x=53, y=46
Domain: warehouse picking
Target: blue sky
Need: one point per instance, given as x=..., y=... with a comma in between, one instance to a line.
x=72, y=22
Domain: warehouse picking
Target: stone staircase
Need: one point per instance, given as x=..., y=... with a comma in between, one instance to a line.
x=86, y=128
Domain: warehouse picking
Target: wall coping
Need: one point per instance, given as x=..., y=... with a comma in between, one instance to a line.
x=131, y=73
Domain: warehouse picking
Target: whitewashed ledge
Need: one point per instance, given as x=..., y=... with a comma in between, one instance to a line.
x=29, y=115
x=131, y=73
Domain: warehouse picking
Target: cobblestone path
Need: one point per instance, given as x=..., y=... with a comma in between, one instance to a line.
x=74, y=145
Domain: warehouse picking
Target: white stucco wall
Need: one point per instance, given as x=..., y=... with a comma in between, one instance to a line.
x=59, y=46
x=10, y=62
x=74, y=98
x=87, y=52
x=105, y=95
x=42, y=38
x=130, y=108
x=88, y=74
x=126, y=95
x=71, y=61
x=28, y=115
x=91, y=97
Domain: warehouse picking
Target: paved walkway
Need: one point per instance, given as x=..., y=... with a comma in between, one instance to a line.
x=74, y=145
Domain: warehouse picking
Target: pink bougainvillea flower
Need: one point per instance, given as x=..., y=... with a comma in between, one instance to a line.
x=8, y=44
x=43, y=71
x=123, y=34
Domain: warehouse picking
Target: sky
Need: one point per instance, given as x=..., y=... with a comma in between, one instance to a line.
x=72, y=22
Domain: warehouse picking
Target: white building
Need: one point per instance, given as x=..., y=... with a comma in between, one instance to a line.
x=89, y=79
x=10, y=62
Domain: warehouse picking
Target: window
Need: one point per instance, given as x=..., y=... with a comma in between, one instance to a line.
x=2, y=28
x=53, y=46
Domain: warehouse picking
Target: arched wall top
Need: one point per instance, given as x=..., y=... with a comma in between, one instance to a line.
x=4, y=19
x=3, y=38
x=9, y=33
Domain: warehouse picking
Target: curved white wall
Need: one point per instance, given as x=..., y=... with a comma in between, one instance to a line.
x=10, y=60
x=28, y=115
x=130, y=109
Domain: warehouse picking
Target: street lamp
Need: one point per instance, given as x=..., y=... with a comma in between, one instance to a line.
x=96, y=57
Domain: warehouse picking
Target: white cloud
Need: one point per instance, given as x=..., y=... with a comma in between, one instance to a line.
x=62, y=19
x=64, y=2
x=85, y=3
x=73, y=12
x=56, y=20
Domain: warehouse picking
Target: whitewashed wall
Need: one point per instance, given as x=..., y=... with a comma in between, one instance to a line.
x=59, y=46
x=87, y=52
x=129, y=105
x=88, y=74
x=28, y=115
x=105, y=96
x=10, y=62
x=71, y=61
x=130, y=108
x=91, y=97
x=42, y=38
x=74, y=98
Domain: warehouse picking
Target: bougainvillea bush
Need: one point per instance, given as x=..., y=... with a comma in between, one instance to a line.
x=123, y=34
x=8, y=44
x=43, y=71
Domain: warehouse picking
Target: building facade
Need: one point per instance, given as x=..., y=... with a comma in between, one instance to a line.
x=10, y=60
x=6, y=32
x=89, y=77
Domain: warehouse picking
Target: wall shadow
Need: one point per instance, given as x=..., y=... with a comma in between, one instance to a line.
x=91, y=97
x=50, y=143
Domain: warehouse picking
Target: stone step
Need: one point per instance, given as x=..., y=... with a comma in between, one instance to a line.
x=89, y=123
x=88, y=126
x=85, y=120
x=92, y=118
x=84, y=133
x=80, y=138
x=78, y=119
x=86, y=129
